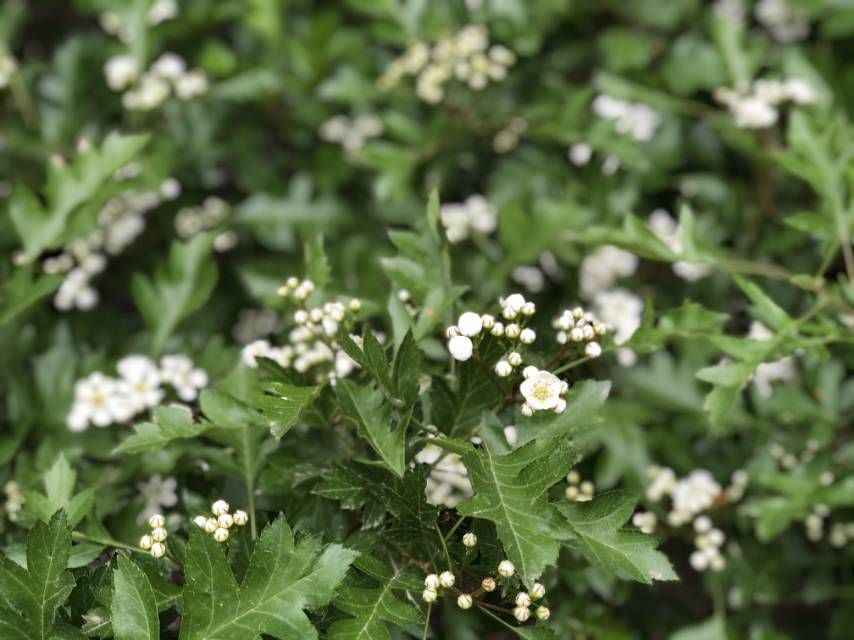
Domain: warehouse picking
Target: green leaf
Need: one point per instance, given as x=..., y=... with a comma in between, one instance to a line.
x=406, y=370
x=171, y=422
x=509, y=492
x=317, y=267
x=133, y=608
x=177, y=288
x=712, y=629
x=596, y=526
x=634, y=236
x=372, y=415
x=22, y=290
x=35, y=593
x=767, y=311
x=283, y=579
x=59, y=484
x=281, y=405
x=69, y=187
x=226, y=411
x=372, y=607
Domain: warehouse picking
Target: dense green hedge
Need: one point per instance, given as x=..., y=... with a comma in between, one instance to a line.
x=385, y=319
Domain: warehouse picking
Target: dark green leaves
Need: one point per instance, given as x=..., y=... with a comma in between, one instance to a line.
x=598, y=535
x=171, y=422
x=509, y=492
x=373, y=602
x=34, y=594
x=283, y=578
x=373, y=417
x=59, y=494
x=281, y=405
x=178, y=287
x=134, y=607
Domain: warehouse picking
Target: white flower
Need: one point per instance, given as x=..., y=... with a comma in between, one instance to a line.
x=178, y=371
x=170, y=66
x=620, y=311
x=121, y=71
x=592, y=350
x=431, y=582
x=157, y=492
x=527, y=336
x=220, y=534
x=511, y=435
x=158, y=550
x=429, y=595
x=600, y=269
x=543, y=613
x=521, y=613
x=580, y=153
x=538, y=591
x=523, y=599
x=96, y=401
x=470, y=324
x=257, y=349
x=161, y=11
x=470, y=540
x=542, y=391
x=446, y=579
x=799, y=91
x=140, y=382
x=767, y=373
x=695, y=493
x=76, y=292
x=460, y=347
x=464, y=601
x=191, y=84
x=532, y=278
x=475, y=214
x=151, y=92
x=633, y=118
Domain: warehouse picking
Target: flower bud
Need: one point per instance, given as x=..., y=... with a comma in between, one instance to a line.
x=219, y=507
x=240, y=517
x=156, y=520
x=593, y=350
x=543, y=613
x=464, y=601
x=521, y=613
x=523, y=599
x=487, y=321
x=220, y=534
x=159, y=534
x=145, y=542
x=514, y=358
x=460, y=347
x=529, y=309
x=292, y=282
x=158, y=549
x=470, y=540
x=538, y=591
x=211, y=525
x=355, y=304
x=428, y=595
x=527, y=336
x=512, y=331
x=527, y=410
x=200, y=521
x=225, y=521
x=452, y=332
x=446, y=579
x=503, y=368
x=506, y=569
x=470, y=324
x=488, y=585
x=576, y=335
x=497, y=329
x=431, y=582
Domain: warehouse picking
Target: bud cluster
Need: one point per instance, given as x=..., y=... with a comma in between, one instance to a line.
x=155, y=542
x=578, y=490
x=577, y=326
x=221, y=521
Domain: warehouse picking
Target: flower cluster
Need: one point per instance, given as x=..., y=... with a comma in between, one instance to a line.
x=578, y=490
x=120, y=221
x=757, y=109
x=351, y=133
x=436, y=584
x=159, y=11
x=466, y=56
x=603, y=267
x=448, y=483
x=633, y=118
x=669, y=232
x=219, y=524
x=14, y=500
x=8, y=68
x=155, y=542
x=516, y=310
x=144, y=91
x=101, y=400
x=814, y=522
x=210, y=214
x=785, y=22
x=576, y=326
x=311, y=342
x=462, y=219
x=708, y=542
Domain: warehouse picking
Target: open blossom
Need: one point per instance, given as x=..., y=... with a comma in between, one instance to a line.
x=542, y=391
x=178, y=370
x=621, y=312
x=140, y=382
x=97, y=401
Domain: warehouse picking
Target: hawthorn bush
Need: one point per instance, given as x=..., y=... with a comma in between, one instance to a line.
x=386, y=319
